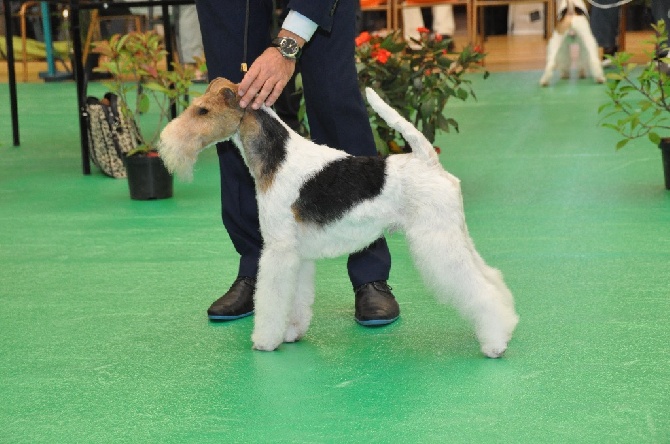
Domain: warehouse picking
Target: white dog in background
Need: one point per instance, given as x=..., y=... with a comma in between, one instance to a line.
x=572, y=27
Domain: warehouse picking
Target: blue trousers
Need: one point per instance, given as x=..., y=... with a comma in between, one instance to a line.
x=335, y=110
x=605, y=24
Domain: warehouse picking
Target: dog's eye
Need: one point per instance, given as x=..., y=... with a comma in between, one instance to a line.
x=202, y=111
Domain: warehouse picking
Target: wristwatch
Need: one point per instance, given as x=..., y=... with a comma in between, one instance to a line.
x=288, y=47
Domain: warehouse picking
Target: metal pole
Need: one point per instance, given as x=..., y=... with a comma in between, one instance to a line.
x=167, y=32
x=9, y=41
x=80, y=80
x=51, y=75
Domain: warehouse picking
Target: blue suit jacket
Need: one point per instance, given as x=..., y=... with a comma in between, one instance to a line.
x=320, y=12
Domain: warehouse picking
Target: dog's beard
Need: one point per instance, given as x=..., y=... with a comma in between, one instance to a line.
x=178, y=160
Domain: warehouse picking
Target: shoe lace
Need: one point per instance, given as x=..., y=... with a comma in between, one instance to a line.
x=382, y=286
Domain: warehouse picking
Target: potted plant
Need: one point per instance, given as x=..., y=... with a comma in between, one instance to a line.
x=417, y=80
x=141, y=77
x=639, y=104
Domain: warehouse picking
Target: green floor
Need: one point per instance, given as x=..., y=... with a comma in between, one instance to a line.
x=103, y=334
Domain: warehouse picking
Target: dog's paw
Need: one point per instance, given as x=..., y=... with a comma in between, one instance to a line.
x=293, y=334
x=265, y=347
x=265, y=342
x=544, y=81
x=600, y=79
x=494, y=350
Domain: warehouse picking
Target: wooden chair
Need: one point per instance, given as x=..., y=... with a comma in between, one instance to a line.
x=402, y=4
x=380, y=5
x=23, y=14
x=94, y=32
x=477, y=21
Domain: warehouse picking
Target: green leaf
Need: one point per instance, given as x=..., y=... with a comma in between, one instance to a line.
x=443, y=123
x=654, y=138
x=143, y=103
x=622, y=143
x=603, y=107
x=157, y=87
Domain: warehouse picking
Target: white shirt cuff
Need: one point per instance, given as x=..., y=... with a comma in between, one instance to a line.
x=299, y=24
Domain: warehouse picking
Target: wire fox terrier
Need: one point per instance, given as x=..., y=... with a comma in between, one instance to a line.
x=316, y=202
x=572, y=27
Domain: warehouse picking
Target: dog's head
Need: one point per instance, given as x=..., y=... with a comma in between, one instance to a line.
x=566, y=11
x=213, y=117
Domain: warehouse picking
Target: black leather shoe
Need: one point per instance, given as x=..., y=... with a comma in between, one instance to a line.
x=238, y=302
x=375, y=304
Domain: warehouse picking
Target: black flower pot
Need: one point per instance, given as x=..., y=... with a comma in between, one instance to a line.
x=148, y=178
x=665, y=154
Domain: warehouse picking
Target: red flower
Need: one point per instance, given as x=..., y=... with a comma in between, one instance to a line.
x=423, y=30
x=363, y=37
x=438, y=37
x=382, y=55
x=478, y=49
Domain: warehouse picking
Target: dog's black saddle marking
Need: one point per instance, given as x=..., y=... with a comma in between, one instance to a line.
x=338, y=187
x=271, y=147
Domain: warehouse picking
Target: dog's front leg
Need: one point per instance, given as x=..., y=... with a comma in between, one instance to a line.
x=275, y=291
x=301, y=311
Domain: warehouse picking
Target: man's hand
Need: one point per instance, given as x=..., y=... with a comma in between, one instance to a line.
x=266, y=79
x=268, y=75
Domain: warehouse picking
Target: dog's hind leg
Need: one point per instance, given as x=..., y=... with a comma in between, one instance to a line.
x=552, y=52
x=446, y=258
x=589, y=57
x=276, y=285
x=301, y=312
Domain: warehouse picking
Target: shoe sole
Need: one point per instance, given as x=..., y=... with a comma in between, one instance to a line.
x=377, y=322
x=228, y=318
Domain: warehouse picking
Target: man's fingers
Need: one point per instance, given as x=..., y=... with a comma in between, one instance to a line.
x=248, y=87
x=276, y=92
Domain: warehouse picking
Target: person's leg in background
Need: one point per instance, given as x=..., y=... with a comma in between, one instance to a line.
x=605, y=27
x=189, y=39
x=438, y=19
x=660, y=10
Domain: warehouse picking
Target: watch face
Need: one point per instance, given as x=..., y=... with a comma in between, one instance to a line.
x=289, y=47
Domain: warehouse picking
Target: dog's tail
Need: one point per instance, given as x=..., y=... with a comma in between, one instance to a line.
x=421, y=147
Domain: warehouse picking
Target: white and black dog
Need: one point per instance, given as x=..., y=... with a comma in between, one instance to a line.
x=572, y=27
x=316, y=202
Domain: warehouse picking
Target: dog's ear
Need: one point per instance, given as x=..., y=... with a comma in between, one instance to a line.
x=230, y=97
x=216, y=84
x=227, y=90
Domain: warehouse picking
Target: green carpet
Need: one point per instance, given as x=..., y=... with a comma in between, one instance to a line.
x=104, y=338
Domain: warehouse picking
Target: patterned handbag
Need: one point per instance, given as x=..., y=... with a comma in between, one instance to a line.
x=111, y=135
